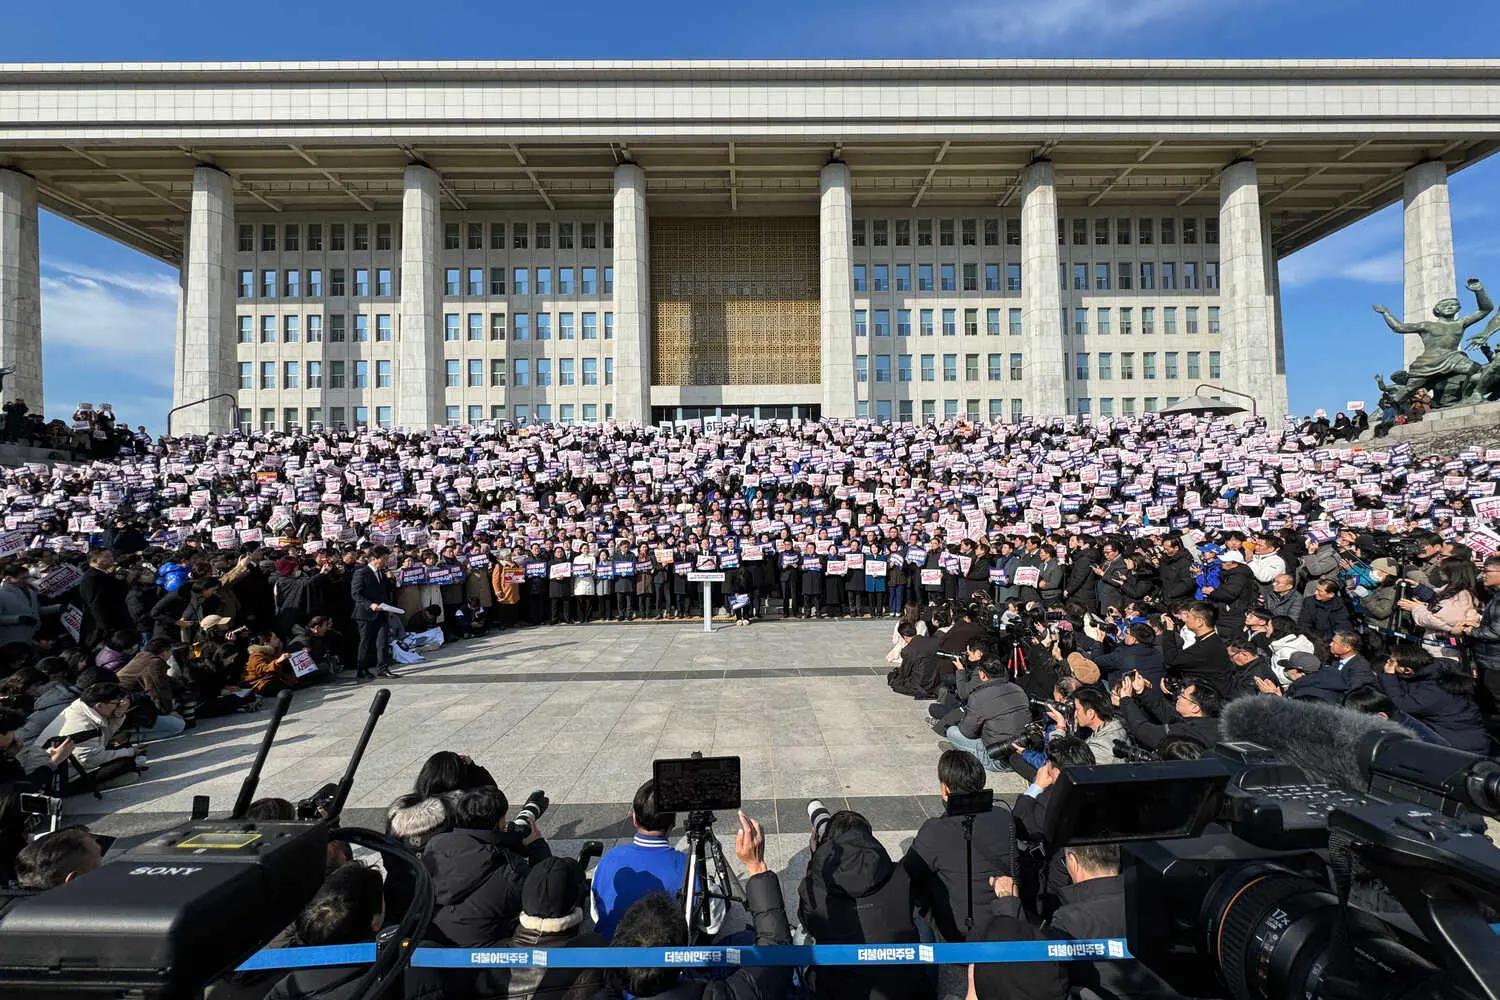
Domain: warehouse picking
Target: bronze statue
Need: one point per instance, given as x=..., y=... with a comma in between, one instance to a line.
x=1442, y=368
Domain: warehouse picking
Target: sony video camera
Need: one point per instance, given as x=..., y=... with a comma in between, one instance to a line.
x=1239, y=871
x=165, y=919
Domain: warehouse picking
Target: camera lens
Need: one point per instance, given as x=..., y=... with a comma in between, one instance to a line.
x=818, y=815
x=1269, y=931
x=531, y=810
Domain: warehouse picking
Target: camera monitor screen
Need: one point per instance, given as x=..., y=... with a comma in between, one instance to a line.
x=697, y=784
x=1111, y=803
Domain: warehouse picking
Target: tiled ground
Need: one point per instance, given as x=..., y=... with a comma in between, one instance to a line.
x=581, y=712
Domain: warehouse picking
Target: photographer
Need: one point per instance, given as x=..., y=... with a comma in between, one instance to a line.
x=645, y=865
x=1094, y=714
x=1205, y=661
x=1484, y=643
x=995, y=714
x=855, y=894
x=656, y=921
x=1436, y=692
x=478, y=870
x=1039, y=869
x=1136, y=652
x=1149, y=718
x=146, y=676
x=938, y=859
x=1091, y=906
x=91, y=721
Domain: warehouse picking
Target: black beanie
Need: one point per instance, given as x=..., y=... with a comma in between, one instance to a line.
x=554, y=888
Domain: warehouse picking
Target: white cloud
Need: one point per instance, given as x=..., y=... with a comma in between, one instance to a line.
x=1029, y=24
x=1370, y=251
x=116, y=316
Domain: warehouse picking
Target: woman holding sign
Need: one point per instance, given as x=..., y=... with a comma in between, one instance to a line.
x=559, y=585
x=810, y=583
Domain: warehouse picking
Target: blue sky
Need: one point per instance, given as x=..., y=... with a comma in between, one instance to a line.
x=109, y=312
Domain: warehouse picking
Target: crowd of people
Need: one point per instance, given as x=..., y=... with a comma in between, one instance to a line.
x=93, y=432
x=1064, y=593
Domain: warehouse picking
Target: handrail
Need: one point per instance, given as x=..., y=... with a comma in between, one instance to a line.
x=206, y=399
x=1219, y=388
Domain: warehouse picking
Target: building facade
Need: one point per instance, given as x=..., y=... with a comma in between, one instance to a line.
x=414, y=244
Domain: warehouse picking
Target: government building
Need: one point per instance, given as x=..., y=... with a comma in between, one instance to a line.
x=416, y=243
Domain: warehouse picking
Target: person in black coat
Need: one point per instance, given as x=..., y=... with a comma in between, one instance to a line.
x=1081, y=584
x=1138, y=651
x=1206, y=661
x=369, y=589
x=1436, y=692
x=788, y=578
x=938, y=860
x=478, y=871
x=1235, y=595
x=534, y=588
x=1149, y=716
x=854, y=893
x=103, y=595
x=810, y=582
x=1325, y=612
x=1175, y=569
x=559, y=589
x=1091, y=906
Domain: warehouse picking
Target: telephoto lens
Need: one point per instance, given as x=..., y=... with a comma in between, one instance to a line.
x=531, y=810
x=818, y=815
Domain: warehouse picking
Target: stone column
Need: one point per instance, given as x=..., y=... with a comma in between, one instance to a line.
x=20, y=290
x=419, y=347
x=1045, y=359
x=208, y=354
x=632, y=296
x=1245, y=317
x=1428, y=229
x=835, y=290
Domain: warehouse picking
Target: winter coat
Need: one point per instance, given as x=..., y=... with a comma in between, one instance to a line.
x=541, y=983
x=1320, y=565
x=1235, y=595
x=1452, y=612
x=1206, y=661
x=1288, y=605
x=20, y=613
x=1324, y=618
x=104, y=610
x=1177, y=583
x=937, y=864
x=997, y=712
x=477, y=878
x=92, y=750
x=1485, y=640
x=855, y=894
x=148, y=672
x=1455, y=717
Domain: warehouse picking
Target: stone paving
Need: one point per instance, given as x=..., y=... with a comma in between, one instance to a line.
x=581, y=711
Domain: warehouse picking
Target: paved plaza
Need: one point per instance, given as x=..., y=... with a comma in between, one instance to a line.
x=581, y=711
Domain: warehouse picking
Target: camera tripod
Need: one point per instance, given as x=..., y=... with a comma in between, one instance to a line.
x=706, y=862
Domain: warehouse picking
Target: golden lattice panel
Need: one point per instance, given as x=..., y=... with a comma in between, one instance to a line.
x=734, y=301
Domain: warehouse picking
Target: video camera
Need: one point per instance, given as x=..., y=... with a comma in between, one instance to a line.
x=1239, y=871
x=167, y=918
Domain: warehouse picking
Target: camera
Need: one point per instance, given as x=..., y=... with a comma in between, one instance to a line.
x=531, y=810
x=316, y=805
x=1132, y=754
x=818, y=816
x=1257, y=905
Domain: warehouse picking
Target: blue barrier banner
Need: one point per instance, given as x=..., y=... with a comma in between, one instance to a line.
x=709, y=956
x=309, y=958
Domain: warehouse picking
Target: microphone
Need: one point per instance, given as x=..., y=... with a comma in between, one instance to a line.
x=1329, y=744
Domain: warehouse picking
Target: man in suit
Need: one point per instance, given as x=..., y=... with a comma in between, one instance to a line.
x=370, y=590
x=1352, y=667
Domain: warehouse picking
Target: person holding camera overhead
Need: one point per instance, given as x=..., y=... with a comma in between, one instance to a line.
x=938, y=860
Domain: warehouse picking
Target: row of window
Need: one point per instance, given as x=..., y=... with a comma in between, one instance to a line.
x=456, y=326
x=999, y=366
x=1153, y=277
x=291, y=416
x=294, y=237
x=1144, y=231
x=966, y=277
x=1103, y=321
x=904, y=409
x=474, y=373
x=288, y=284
